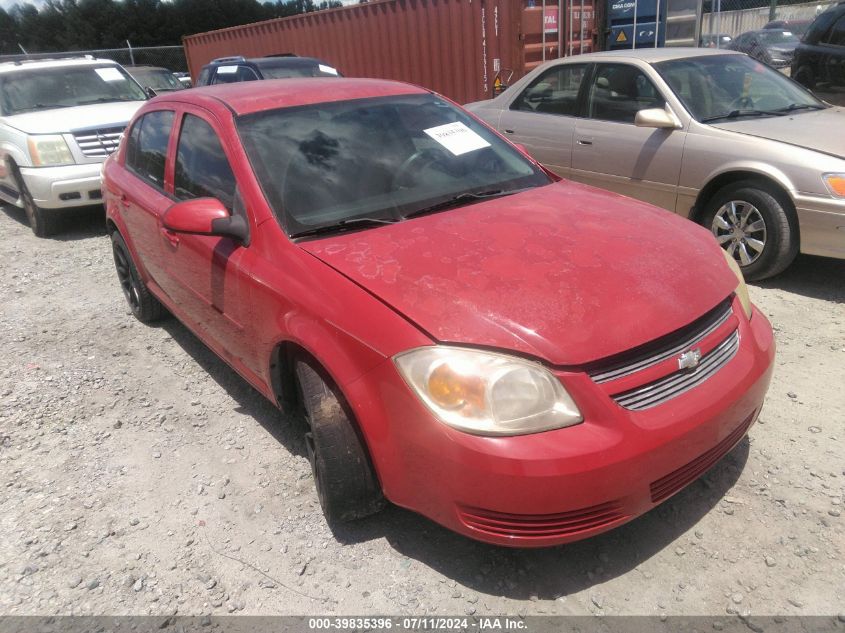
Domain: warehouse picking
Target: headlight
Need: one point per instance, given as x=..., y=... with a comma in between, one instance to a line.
x=486, y=393
x=741, y=289
x=49, y=149
x=836, y=184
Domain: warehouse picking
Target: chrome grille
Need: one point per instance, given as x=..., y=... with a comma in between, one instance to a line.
x=707, y=325
x=98, y=143
x=675, y=384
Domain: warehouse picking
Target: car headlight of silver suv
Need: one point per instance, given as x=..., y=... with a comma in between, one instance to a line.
x=486, y=393
x=49, y=150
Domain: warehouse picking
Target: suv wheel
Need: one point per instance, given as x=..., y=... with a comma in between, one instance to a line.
x=755, y=226
x=43, y=222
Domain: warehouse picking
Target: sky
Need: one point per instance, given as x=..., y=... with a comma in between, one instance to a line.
x=8, y=4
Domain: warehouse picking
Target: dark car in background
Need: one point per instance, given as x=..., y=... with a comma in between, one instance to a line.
x=227, y=70
x=819, y=62
x=155, y=78
x=797, y=27
x=715, y=40
x=774, y=47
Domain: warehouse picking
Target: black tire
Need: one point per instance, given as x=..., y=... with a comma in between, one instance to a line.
x=143, y=304
x=347, y=486
x=780, y=228
x=43, y=222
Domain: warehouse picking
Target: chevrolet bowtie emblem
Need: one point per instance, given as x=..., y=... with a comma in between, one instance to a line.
x=690, y=359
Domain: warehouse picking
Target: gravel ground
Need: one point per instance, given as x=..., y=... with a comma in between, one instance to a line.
x=140, y=475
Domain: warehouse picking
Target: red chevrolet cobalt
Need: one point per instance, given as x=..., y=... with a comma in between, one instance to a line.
x=524, y=360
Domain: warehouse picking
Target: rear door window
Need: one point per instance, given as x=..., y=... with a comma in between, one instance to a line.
x=837, y=33
x=146, y=149
x=233, y=73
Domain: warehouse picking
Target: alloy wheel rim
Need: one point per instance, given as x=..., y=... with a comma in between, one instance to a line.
x=124, y=275
x=740, y=229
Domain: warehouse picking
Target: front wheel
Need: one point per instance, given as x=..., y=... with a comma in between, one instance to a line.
x=755, y=226
x=347, y=486
x=43, y=222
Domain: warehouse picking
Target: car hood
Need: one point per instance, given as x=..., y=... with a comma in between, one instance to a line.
x=566, y=272
x=811, y=130
x=63, y=120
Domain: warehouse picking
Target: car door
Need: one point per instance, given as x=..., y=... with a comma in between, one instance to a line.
x=611, y=152
x=207, y=274
x=833, y=63
x=542, y=117
x=143, y=197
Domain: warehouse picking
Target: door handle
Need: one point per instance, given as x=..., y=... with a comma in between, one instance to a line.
x=170, y=236
x=124, y=201
x=584, y=141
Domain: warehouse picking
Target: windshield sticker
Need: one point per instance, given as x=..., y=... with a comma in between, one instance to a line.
x=109, y=74
x=327, y=69
x=226, y=70
x=457, y=138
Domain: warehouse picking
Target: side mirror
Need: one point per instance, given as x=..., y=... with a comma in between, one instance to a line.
x=655, y=117
x=205, y=216
x=150, y=92
x=522, y=148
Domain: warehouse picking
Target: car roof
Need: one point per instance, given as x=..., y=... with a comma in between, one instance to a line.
x=6, y=67
x=131, y=68
x=650, y=55
x=256, y=96
x=272, y=60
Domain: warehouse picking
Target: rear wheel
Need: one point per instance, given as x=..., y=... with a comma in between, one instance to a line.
x=145, y=307
x=755, y=225
x=346, y=484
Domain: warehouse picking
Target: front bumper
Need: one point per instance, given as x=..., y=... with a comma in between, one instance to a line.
x=64, y=187
x=568, y=484
x=822, y=224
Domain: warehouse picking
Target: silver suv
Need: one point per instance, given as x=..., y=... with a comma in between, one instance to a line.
x=59, y=120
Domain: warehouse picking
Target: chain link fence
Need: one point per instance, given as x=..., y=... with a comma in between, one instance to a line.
x=722, y=19
x=170, y=57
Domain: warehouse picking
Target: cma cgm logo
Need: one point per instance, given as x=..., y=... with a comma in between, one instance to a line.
x=690, y=359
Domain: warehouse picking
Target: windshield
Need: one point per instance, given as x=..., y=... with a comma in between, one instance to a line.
x=158, y=80
x=65, y=86
x=385, y=158
x=773, y=38
x=718, y=86
x=298, y=70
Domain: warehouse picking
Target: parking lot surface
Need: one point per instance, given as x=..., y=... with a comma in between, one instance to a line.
x=141, y=475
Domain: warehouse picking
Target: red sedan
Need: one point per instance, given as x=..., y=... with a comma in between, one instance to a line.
x=524, y=360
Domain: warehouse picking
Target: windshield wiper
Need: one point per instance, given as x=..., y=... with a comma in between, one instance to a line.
x=107, y=100
x=801, y=106
x=343, y=225
x=733, y=114
x=43, y=106
x=462, y=198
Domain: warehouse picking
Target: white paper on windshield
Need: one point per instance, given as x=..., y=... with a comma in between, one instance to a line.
x=327, y=69
x=457, y=138
x=226, y=70
x=109, y=74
